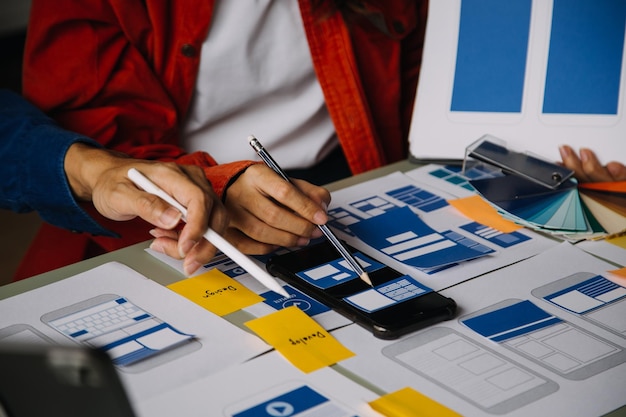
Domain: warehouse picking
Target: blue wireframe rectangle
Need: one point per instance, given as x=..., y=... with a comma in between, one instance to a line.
x=491, y=56
x=585, y=57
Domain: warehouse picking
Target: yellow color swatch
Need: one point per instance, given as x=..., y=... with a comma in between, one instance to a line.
x=300, y=339
x=618, y=241
x=480, y=211
x=409, y=403
x=217, y=292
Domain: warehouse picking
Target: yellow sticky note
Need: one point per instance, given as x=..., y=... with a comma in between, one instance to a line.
x=217, y=292
x=409, y=403
x=299, y=339
x=480, y=211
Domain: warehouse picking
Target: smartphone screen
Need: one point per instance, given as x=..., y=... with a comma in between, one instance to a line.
x=396, y=304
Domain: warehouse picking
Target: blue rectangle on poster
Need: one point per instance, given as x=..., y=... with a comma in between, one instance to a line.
x=491, y=56
x=585, y=57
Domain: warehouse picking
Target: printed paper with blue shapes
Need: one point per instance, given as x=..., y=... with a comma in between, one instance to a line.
x=401, y=234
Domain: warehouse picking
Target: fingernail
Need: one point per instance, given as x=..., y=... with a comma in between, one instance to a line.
x=325, y=206
x=191, y=267
x=584, y=155
x=153, y=232
x=316, y=233
x=303, y=241
x=170, y=217
x=614, y=170
x=185, y=247
x=564, y=151
x=320, y=217
x=157, y=247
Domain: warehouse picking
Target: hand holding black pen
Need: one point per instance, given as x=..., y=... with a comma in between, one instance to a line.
x=343, y=251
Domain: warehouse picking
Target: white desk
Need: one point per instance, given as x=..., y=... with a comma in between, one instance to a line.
x=136, y=258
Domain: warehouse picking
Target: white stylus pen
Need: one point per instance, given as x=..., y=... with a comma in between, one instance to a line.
x=220, y=243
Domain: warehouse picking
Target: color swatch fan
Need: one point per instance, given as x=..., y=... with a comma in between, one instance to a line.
x=574, y=211
x=607, y=202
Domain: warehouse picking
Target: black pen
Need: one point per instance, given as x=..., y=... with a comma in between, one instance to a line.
x=345, y=253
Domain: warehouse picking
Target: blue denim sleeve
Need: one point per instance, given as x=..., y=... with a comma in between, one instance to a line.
x=32, y=152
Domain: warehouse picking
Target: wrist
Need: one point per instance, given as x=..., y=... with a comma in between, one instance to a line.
x=84, y=165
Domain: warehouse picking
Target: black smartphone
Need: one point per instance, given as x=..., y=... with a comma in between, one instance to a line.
x=396, y=304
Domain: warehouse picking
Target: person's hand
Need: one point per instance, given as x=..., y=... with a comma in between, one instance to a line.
x=100, y=176
x=267, y=212
x=587, y=167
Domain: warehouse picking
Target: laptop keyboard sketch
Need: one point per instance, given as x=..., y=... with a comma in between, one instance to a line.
x=115, y=325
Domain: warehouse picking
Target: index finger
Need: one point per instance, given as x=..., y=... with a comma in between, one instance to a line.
x=292, y=197
x=192, y=191
x=592, y=167
x=571, y=161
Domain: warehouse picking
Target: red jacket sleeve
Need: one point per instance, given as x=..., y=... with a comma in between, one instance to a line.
x=122, y=73
x=220, y=175
x=82, y=68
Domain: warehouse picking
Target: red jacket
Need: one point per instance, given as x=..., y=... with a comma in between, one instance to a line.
x=123, y=72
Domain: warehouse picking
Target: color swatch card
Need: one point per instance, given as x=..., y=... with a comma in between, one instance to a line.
x=594, y=209
x=607, y=203
x=574, y=211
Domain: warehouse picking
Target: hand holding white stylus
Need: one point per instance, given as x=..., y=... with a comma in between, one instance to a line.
x=220, y=243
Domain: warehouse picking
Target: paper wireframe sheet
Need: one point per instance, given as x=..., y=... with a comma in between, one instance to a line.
x=571, y=349
x=265, y=386
x=194, y=342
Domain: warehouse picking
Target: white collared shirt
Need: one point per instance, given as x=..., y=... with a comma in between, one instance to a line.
x=256, y=77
